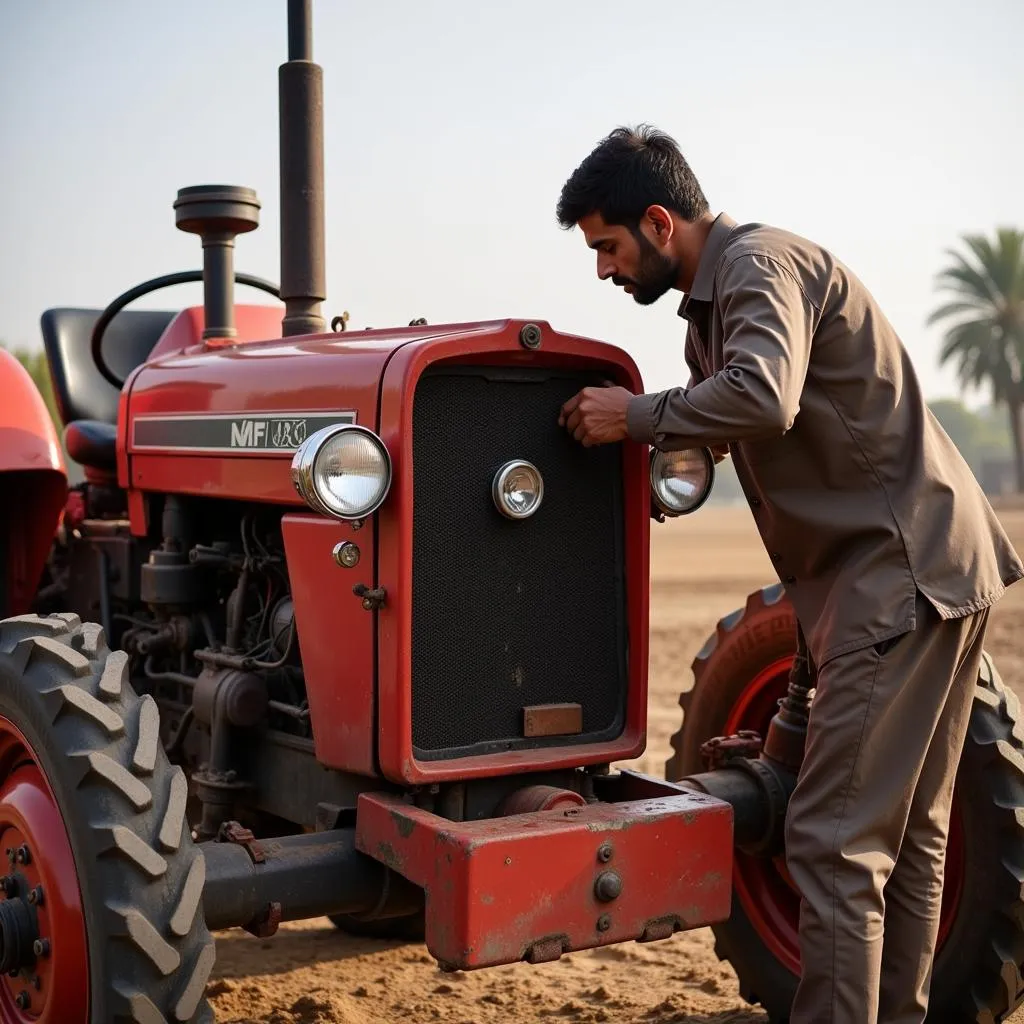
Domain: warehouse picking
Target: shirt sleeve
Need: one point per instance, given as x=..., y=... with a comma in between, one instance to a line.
x=768, y=323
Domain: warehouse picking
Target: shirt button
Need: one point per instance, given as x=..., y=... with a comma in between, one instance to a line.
x=791, y=580
x=776, y=557
x=755, y=502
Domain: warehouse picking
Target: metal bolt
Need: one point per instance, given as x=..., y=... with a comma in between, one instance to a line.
x=529, y=336
x=346, y=554
x=10, y=854
x=24, y=1000
x=608, y=886
x=36, y=895
x=9, y=884
x=24, y=855
x=604, y=853
x=37, y=982
x=41, y=947
x=604, y=922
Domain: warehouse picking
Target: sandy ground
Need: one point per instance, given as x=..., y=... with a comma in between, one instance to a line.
x=703, y=567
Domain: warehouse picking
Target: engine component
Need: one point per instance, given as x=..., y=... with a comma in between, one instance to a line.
x=282, y=623
x=242, y=697
x=540, y=798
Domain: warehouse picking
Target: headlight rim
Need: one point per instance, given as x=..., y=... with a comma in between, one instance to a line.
x=667, y=510
x=304, y=464
x=498, y=481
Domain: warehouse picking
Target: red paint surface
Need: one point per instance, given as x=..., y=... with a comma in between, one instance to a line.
x=32, y=468
x=335, y=637
x=497, y=888
x=29, y=815
x=498, y=344
x=764, y=887
x=312, y=374
x=185, y=331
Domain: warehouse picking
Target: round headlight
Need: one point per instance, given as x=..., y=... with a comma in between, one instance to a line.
x=681, y=481
x=343, y=471
x=517, y=489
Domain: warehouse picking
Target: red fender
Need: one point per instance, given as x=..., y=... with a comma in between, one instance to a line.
x=33, y=486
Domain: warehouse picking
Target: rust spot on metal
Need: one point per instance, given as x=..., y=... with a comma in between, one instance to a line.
x=387, y=855
x=405, y=825
x=548, y=949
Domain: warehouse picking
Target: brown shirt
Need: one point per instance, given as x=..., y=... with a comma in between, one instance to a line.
x=860, y=497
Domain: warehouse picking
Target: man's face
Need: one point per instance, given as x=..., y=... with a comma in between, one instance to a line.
x=633, y=262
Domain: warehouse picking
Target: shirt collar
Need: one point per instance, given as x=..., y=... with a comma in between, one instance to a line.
x=704, y=279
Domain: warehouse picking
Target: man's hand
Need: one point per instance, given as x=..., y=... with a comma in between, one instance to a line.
x=596, y=415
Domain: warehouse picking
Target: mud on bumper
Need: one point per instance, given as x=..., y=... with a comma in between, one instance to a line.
x=649, y=859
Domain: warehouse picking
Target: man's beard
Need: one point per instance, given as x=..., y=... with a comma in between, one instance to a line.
x=654, y=276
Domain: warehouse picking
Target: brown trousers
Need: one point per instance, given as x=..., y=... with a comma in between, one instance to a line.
x=867, y=825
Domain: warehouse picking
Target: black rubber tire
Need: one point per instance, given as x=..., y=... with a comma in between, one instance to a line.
x=392, y=929
x=140, y=876
x=978, y=969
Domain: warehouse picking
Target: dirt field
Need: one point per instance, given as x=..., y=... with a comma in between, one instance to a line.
x=309, y=974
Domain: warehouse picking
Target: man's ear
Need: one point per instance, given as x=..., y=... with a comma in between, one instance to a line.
x=660, y=221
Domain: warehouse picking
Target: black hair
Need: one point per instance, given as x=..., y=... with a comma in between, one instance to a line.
x=628, y=171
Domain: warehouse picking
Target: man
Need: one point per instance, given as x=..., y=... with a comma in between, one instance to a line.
x=886, y=545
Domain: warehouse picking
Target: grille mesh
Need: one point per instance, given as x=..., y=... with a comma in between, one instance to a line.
x=507, y=613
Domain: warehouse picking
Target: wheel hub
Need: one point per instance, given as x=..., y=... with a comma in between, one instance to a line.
x=18, y=935
x=44, y=965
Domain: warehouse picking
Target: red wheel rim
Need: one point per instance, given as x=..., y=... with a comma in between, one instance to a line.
x=762, y=885
x=57, y=984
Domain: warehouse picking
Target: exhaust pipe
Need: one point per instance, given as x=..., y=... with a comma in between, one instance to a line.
x=300, y=90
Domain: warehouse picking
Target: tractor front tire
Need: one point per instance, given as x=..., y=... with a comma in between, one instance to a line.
x=103, y=890
x=739, y=675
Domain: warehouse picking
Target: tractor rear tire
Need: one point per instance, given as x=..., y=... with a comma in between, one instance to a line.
x=738, y=675
x=93, y=818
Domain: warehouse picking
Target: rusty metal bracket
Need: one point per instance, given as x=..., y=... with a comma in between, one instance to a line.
x=266, y=924
x=720, y=750
x=373, y=598
x=235, y=832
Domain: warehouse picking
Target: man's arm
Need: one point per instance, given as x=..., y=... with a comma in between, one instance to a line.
x=768, y=323
x=719, y=452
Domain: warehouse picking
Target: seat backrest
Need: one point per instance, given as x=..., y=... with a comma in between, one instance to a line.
x=81, y=392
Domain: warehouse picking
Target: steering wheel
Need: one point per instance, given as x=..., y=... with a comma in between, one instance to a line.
x=115, y=307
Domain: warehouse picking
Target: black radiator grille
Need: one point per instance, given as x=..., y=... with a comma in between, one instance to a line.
x=508, y=614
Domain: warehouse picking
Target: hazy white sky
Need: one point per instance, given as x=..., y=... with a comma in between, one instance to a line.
x=883, y=129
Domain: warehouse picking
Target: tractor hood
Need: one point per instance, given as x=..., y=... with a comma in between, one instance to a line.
x=223, y=420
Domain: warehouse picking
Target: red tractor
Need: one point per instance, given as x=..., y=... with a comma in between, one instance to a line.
x=342, y=623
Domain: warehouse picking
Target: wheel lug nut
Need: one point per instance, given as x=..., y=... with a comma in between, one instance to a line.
x=9, y=884
x=41, y=947
x=36, y=895
x=24, y=855
x=24, y=1000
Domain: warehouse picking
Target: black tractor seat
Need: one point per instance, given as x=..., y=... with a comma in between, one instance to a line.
x=92, y=443
x=87, y=403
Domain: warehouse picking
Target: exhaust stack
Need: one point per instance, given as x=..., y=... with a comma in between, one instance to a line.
x=300, y=90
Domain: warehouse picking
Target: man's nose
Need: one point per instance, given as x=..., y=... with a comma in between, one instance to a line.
x=605, y=269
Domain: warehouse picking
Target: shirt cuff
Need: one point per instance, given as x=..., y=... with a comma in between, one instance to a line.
x=640, y=418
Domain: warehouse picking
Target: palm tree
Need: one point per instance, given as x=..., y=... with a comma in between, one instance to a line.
x=987, y=339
